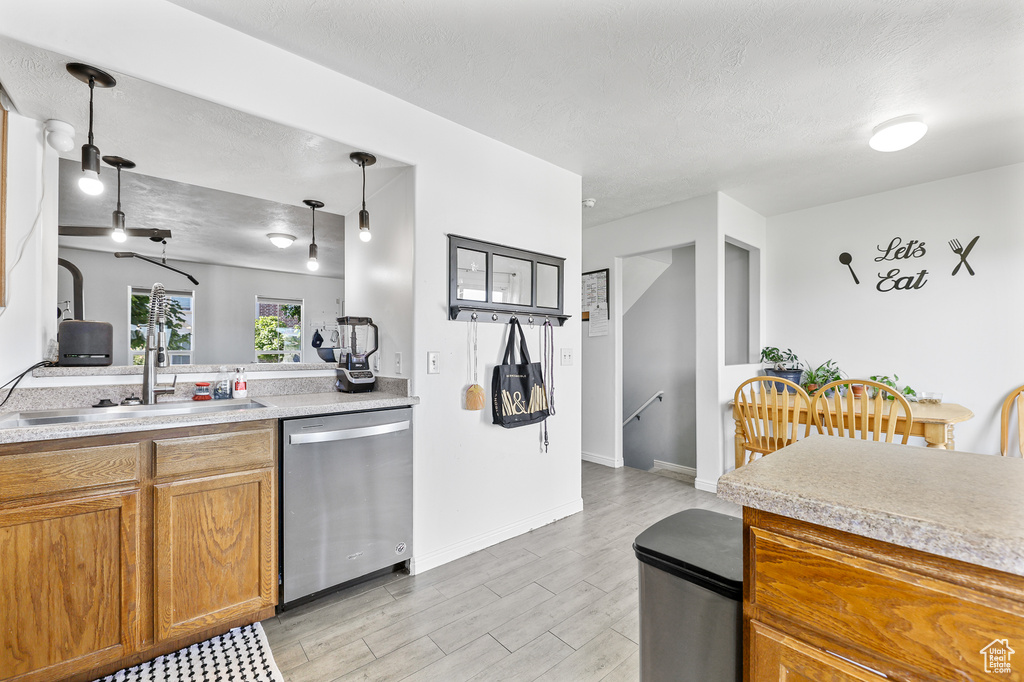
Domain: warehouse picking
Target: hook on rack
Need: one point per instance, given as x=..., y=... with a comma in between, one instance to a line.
x=473, y=317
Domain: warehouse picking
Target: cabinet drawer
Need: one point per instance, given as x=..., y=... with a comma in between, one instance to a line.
x=252, y=449
x=57, y=471
x=937, y=626
x=776, y=656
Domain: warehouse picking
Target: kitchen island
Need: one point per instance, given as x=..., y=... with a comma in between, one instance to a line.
x=865, y=560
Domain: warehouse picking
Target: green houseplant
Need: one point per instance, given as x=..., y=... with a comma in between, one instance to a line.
x=783, y=364
x=824, y=373
x=907, y=391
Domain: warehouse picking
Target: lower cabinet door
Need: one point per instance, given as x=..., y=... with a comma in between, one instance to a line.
x=781, y=658
x=68, y=586
x=216, y=548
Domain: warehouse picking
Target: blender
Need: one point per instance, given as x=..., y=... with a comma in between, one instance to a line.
x=354, y=374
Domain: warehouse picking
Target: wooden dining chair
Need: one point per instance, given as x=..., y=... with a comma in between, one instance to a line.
x=1016, y=398
x=768, y=419
x=888, y=412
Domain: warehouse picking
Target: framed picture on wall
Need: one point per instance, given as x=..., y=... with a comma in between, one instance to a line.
x=595, y=292
x=3, y=208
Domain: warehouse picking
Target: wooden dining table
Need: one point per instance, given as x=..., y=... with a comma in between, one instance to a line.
x=932, y=421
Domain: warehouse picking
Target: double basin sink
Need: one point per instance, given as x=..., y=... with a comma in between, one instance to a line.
x=118, y=412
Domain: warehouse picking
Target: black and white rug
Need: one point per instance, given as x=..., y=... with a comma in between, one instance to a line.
x=240, y=655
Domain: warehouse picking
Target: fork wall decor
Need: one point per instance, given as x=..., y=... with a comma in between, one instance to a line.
x=905, y=255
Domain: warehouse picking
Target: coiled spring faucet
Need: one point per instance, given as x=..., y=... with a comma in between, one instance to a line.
x=156, y=347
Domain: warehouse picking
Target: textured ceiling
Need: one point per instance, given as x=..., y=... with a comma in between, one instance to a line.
x=177, y=137
x=207, y=225
x=656, y=101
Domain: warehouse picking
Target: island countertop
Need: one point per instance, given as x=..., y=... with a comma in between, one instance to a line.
x=958, y=505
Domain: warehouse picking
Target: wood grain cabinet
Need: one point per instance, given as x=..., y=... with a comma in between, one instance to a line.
x=821, y=604
x=116, y=549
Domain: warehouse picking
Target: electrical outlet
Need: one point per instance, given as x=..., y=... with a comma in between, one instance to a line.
x=398, y=363
x=376, y=362
x=433, y=362
x=566, y=356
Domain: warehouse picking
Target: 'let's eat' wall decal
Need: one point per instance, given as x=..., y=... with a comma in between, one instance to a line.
x=904, y=255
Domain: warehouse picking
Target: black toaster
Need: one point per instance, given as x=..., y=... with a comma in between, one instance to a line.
x=81, y=343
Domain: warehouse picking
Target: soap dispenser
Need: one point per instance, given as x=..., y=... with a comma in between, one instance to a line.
x=239, y=385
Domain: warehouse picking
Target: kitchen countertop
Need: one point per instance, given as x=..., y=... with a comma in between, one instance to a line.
x=957, y=505
x=278, y=407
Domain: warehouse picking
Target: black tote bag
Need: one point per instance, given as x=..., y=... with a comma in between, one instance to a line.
x=518, y=397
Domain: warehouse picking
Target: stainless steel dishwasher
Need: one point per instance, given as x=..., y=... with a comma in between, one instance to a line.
x=346, y=499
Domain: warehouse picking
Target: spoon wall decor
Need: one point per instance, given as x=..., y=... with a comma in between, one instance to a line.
x=846, y=259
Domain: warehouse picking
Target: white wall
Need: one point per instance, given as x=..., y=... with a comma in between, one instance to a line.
x=383, y=267
x=225, y=301
x=959, y=335
x=639, y=273
x=475, y=483
x=29, y=319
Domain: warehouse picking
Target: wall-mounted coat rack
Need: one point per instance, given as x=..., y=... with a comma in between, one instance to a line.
x=467, y=313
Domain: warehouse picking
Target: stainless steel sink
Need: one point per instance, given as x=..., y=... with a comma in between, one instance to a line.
x=119, y=412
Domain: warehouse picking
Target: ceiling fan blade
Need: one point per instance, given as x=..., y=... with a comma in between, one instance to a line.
x=91, y=231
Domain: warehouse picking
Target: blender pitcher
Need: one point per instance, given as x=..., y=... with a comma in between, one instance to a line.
x=354, y=374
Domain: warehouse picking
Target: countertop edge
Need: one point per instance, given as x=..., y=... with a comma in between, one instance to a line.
x=345, y=402
x=904, y=531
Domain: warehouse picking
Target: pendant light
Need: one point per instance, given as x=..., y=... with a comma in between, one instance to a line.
x=117, y=218
x=364, y=159
x=90, y=182
x=312, y=264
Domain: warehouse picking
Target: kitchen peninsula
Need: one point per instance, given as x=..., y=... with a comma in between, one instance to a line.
x=865, y=560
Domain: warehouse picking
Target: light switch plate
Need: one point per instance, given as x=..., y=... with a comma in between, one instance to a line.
x=433, y=362
x=566, y=356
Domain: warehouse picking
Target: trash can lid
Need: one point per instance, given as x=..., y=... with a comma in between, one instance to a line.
x=698, y=543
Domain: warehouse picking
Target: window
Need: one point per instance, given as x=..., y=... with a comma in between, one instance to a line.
x=180, y=321
x=278, y=333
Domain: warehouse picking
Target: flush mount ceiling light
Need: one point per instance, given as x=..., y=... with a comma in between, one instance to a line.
x=60, y=135
x=363, y=159
x=898, y=133
x=312, y=264
x=589, y=203
x=90, y=181
x=280, y=240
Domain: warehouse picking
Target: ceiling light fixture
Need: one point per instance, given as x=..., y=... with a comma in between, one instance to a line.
x=90, y=181
x=280, y=240
x=898, y=133
x=60, y=135
x=363, y=159
x=589, y=203
x=117, y=218
x=312, y=264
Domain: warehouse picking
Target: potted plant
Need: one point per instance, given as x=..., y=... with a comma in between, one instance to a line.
x=783, y=364
x=907, y=391
x=824, y=373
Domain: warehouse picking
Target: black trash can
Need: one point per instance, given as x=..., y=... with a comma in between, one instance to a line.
x=691, y=598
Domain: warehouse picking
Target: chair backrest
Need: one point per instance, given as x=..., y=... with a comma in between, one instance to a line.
x=887, y=411
x=770, y=410
x=1016, y=397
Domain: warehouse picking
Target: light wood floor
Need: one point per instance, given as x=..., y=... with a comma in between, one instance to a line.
x=558, y=603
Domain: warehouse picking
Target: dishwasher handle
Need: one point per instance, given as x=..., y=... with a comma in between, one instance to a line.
x=347, y=434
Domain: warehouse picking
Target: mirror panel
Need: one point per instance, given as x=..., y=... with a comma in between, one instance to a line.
x=547, y=285
x=512, y=281
x=472, y=275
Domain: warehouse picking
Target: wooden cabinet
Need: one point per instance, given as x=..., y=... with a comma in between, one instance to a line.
x=68, y=585
x=116, y=549
x=215, y=540
x=821, y=604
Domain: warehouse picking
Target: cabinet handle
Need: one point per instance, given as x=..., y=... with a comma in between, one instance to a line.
x=347, y=434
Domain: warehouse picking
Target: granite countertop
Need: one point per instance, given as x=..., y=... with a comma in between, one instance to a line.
x=957, y=505
x=277, y=407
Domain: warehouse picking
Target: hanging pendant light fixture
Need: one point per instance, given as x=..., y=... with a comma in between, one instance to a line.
x=90, y=182
x=364, y=159
x=117, y=219
x=312, y=264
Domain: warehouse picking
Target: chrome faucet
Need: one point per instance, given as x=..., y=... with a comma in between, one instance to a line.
x=156, y=347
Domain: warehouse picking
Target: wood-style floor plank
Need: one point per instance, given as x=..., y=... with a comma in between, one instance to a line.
x=557, y=603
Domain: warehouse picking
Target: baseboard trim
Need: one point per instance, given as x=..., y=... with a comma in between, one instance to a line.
x=678, y=468
x=601, y=459
x=458, y=550
x=708, y=486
